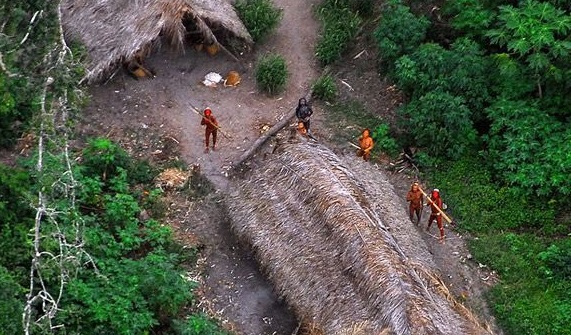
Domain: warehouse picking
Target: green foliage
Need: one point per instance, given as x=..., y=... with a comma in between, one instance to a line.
x=15, y=218
x=131, y=297
x=198, y=324
x=530, y=149
x=365, y=8
x=525, y=301
x=260, y=17
x=533, y=32
x=103, y=158
x=483, y=207
x=28, y=53
x=324, y=88
x=557, y=258
x=384, y=141
x=340, y=25
x=11, y=305
x=471, y=17
x=440, y=123
x=399, y=33
x=461, y=70
x=272, y=73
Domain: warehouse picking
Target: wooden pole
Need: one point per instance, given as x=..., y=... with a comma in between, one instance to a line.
x=446, y=217
x=271, y=132
x=194, y=109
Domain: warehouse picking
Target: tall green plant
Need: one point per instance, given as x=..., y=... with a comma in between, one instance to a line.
x=272, y=73
x=260, y=17
x=399, y=32
x=530, y=149
x=440, y=122
x=536, y=33
x=340, y=25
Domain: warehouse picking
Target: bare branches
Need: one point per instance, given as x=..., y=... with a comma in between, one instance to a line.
x=56, y=221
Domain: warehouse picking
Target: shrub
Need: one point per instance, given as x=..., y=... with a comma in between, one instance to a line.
x=103, y=158
x=272, y=73
x=462, y=71
x=199, y=324
x=259, y=16
x=11, y=303
x=324, y=88
x=530, y=149
x=525, y=302
x=440, y=122
x=384, y=141
x=400, y=32
x=340, y=26
x=557, y=258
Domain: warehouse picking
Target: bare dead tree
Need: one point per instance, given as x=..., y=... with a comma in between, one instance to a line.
x=54, y=221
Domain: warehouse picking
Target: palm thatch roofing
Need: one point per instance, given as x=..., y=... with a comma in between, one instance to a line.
x=114, y=31
x=338, y=249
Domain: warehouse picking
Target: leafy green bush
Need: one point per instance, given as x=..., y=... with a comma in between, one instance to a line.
x=103, y=158
x=324, y=88
x=525, y=301
x=530, y=149
x=260, y=17
x=340, y=25
x=198, y=324
x=462, y=70
x=383, y=140
x=272, y=73
x=440, y=122
x=557, y=258
x=11, y=303
x=471, y=17
x=400, y=32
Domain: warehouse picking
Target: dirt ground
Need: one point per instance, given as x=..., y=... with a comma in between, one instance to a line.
x=153, y=119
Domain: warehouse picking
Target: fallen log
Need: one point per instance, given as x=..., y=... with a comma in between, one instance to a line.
x=271, y=132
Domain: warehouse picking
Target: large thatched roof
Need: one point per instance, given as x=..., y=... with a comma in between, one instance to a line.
x=327, y=244
x=114, y=30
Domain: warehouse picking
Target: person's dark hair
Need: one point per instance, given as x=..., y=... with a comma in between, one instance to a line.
x=302, y=100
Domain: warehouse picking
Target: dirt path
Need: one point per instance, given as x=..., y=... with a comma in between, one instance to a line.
x=155, y=116
x=153, y=119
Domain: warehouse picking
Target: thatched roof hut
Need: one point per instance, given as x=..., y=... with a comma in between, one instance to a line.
x=114, y=31
x=328, y=247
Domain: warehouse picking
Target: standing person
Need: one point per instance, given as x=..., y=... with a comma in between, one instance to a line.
x=366, y=145
x=211, y=124
x=433, y=201
x=415, y=199
x=303, y=112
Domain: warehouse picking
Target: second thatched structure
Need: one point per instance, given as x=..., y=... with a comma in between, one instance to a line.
x=319, y=236
x=116, y=31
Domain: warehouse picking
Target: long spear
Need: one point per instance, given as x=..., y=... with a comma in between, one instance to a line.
x=194, y=109
x=446, y=217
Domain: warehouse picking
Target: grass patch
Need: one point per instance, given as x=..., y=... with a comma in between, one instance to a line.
x=272, y=73
x=260, y=17
x=340, y=24
x=531, y=298
x=324, y=88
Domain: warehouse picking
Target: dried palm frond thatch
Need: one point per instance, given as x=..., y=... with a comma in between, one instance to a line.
x=317, y=234
x=114, y=31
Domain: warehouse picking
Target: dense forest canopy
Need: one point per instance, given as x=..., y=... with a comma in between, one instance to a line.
x=487, y=85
